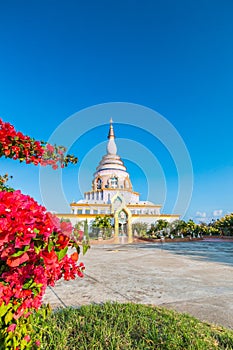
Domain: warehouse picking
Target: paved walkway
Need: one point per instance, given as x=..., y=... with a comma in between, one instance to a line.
x=143, y=274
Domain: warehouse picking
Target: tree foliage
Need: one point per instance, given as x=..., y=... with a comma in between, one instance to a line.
x=224, y=225
x=180, y=228
x=101, y=226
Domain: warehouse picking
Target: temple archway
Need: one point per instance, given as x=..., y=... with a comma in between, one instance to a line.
x=122, y=218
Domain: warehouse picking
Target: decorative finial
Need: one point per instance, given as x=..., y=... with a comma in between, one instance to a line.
x=111, y=146
x=111, y=131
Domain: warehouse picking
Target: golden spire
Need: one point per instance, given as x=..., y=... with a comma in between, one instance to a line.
x=111, y=131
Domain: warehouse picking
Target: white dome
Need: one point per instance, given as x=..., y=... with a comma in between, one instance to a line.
x=111, y=147
x=111, y=164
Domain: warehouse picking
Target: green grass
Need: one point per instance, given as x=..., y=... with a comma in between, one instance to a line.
x=131, y=326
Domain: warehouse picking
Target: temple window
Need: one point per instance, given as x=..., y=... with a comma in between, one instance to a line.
x=114, y=182
x=80, y=211
x=87, y=211
x=99, y=184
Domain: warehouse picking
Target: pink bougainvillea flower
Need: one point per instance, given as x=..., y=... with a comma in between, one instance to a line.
x=74, y=256
x=78, y=235
x=50, y=258
x=54, y=221
x=11, y=328
x=4, y=235
x=66, y=228
x=16, y=145
x=13, y=262
x=27, y=338
x=50, y=148
x=62, y=241
x=31, y=244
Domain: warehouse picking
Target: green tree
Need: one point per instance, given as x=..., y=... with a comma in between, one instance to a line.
x=80, y=225
x=102, y=226
x=191, y=228
x=178, y=227
x=139, y=228
x=224, y=225
x=162, y=228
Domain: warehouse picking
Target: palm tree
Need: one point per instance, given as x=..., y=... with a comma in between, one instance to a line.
x=161, y=227
x=178, y=227
x=225, y=225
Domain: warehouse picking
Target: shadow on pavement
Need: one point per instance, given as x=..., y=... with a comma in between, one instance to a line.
x=217, y=251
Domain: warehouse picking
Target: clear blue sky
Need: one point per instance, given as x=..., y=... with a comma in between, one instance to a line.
x=175, y=57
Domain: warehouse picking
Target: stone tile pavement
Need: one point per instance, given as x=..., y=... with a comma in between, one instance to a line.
x=133, y=273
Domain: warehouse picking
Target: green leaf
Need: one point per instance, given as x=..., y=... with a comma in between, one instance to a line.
x=50, y=245
x=8, y=317
x=15, y=342
x=20, y=252
x=36, y=285
x=61, y=253
x=4, y=308
x=37, y=249
x=86, y=246
x=15, y=307
x=28, y=284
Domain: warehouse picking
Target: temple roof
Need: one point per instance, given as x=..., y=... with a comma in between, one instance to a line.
x=111, y=161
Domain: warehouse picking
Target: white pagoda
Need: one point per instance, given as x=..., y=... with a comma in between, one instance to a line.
x=112, y=194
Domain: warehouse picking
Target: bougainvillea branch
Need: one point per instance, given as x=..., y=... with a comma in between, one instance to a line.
x=33, y=255
x=14, y=144
x=33, y=244
x=28, y=233
x=3, y=183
